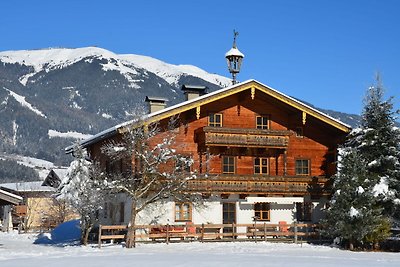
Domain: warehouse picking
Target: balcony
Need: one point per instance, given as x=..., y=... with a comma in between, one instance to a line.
x=239, y=137
x=260, y=184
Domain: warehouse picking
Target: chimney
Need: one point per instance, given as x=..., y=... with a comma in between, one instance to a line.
x=193, y=91
x=156, y=103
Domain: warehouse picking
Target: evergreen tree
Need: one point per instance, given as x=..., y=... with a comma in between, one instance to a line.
x=378, y=141
x=353, y=215
x=82, y=193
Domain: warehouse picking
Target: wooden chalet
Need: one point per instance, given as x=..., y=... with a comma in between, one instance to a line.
x=259, y=154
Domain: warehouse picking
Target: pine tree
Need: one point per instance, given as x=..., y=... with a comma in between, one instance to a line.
x=378, y=142
x=353, y=215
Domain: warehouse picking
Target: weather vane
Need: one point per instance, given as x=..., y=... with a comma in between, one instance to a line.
x=235, y=34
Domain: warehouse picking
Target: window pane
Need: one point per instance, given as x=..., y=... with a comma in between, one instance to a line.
x=302, y=167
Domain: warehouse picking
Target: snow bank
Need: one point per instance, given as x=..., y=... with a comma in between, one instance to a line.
x=18, y=250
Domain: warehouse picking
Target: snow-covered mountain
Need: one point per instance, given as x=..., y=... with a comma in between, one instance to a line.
x=49, y=98
x=51, y=59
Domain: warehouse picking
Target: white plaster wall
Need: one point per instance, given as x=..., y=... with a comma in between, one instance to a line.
x=210, y=212
x=281, y=212
x=282, y=209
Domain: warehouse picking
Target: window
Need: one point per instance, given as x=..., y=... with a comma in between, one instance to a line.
x=183, y=164
x=262, y=122
x=302, y=167
x=261, y=166
x=228, y=164
x=228, y=216
x=299, y=132
x=183, y=212
x=304, y=211
x=261, y=211
x=215, y=120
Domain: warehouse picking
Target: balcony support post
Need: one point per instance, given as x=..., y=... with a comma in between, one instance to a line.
x=200, y=162
x=285, y=163
x=207, y=160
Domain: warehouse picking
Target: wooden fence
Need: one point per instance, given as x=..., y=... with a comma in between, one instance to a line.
x=212, y=232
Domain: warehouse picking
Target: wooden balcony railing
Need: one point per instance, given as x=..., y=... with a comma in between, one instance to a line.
x=220, y=136
x=260, y=185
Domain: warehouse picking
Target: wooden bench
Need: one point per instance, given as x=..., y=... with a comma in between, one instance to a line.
x=164, y=232
x=261, y=230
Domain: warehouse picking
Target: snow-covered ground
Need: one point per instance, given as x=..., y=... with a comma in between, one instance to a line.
x=18, y=250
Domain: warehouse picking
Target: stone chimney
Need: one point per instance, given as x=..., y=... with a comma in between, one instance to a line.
x=193, y=91
x=156, y=103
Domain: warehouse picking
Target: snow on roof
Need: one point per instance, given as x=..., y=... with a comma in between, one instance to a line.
x=234, y=52
x=61, y=172
x=10, y=194
x=155, y=98
x=28, y=187
x=193, y=87
x=111, y=131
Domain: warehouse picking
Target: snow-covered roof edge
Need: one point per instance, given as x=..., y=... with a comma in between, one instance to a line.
x=11, y=194
x=113, y=130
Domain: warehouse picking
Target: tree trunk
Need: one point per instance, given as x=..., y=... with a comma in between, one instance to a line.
x=351, y=245
x=130, y=237
x=86, y=228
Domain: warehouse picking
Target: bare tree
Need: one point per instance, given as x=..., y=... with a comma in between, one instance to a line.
x=155, y=171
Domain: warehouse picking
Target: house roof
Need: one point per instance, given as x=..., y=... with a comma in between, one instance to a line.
x=23, y=187
x=7, y=198
x=252, y=85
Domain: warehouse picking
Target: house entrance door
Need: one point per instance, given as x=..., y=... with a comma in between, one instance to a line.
x=228, y=215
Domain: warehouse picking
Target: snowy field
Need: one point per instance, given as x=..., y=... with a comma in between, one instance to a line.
x=19, y=251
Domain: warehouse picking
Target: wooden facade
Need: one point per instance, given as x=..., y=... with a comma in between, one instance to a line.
x=276, y=146
x=255, y=151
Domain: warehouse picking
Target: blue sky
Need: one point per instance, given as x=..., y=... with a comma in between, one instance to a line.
x=323, y=52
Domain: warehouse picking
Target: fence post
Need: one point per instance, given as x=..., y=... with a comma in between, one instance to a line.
x=100, y=236
x=295, y=232
x=202, y=232
x=167, y=238
x=265, y=232
x=233, y=232
x=134, y=236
